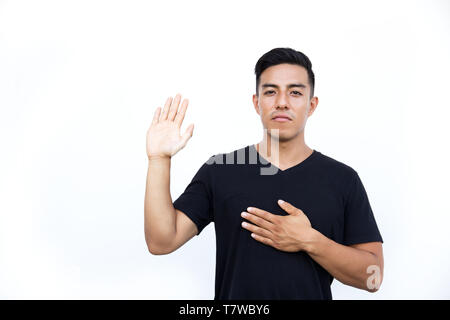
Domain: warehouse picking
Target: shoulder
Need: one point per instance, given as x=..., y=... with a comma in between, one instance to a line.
x=336, y=169
x=231, y=165
x=232, y=157
x=330, y=163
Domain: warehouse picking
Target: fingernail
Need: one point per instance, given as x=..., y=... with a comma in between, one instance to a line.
x=280, y=201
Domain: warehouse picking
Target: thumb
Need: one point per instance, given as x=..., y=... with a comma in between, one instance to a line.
x=187, y=135
x=289, y=208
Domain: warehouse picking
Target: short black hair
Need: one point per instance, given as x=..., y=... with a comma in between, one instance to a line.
x=284, y=55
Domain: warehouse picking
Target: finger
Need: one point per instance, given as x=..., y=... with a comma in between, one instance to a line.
x=263, y=214
x=187, y=135
x=174, y=111
x=173, y=107
x=156, y=116
x=289, y=208
x=166, y=109
x=258, y=221
x=257, y=230
x=180, y=114
x=264, y=240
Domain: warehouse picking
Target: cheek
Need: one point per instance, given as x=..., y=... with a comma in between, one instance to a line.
x=301, y=111
x=265, y=111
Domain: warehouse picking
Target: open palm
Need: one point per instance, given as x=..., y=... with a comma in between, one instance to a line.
x=163, y=136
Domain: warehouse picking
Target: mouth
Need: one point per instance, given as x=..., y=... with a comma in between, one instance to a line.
x=281, y=119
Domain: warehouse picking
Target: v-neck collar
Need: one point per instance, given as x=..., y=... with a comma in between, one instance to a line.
x=300, y=164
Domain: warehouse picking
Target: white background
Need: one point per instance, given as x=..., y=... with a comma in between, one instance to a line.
x=80, y=81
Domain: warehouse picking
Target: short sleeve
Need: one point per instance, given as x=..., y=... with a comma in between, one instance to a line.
x=196, y=200
x=359, y=222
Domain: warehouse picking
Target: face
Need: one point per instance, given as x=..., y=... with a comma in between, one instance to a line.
x=279, y=96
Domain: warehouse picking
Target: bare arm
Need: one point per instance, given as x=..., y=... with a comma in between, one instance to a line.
x=160, y=216
x=165, y=228
x=359, y=265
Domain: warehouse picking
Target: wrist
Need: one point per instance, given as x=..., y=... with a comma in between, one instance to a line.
x=158, y=157
x=312, y=244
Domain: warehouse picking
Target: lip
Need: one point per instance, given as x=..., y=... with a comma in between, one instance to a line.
x=281, y=118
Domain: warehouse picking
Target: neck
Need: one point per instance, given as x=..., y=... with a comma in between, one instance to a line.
x=290, y=152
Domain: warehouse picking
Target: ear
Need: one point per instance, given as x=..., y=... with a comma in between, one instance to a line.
x=313, y=105
x=255, y=103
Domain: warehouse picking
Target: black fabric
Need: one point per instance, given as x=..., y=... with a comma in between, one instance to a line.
x=329, y=192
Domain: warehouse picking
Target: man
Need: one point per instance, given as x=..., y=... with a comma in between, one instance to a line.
x=323, y=227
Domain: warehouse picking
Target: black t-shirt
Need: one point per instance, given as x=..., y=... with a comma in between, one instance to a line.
x=329, y=192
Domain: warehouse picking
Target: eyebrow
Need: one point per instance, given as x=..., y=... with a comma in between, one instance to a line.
x=292, y=85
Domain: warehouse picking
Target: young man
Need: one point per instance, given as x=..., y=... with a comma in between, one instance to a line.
x=323, y=227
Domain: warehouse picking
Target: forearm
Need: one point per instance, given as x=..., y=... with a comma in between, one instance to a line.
x=346, y=264
x=159, y=213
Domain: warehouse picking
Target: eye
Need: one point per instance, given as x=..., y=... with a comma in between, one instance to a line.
x=268, y=91
x=297, y=92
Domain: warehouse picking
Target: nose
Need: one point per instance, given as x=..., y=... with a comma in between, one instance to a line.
x=281, y=101
x=281, y=104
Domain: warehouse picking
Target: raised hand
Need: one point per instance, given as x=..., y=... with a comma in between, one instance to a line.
x=163, y=136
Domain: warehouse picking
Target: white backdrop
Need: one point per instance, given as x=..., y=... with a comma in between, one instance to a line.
x=80, y=81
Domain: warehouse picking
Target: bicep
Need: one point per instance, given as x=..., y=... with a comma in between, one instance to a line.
x=186, y=229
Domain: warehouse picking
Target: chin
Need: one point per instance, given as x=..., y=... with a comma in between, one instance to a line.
x=282, y=135
x=284, y=138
